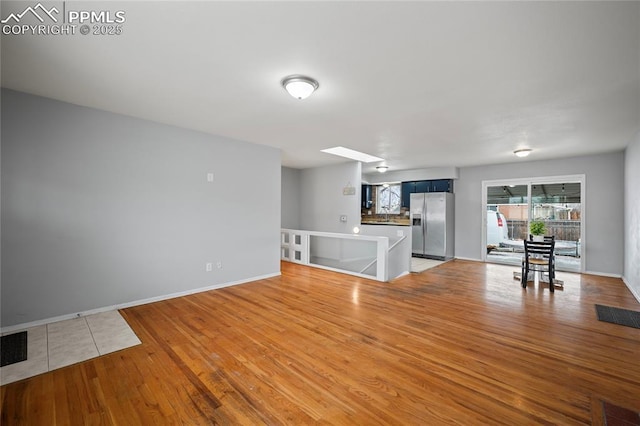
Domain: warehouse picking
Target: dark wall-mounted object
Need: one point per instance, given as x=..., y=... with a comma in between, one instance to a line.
x=367, y=196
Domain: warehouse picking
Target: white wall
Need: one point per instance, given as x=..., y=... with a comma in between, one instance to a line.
x=604, y=204
x=100, y=209
x=322, y=199
x=290, y=193
x=632, y=217
x=400, y=256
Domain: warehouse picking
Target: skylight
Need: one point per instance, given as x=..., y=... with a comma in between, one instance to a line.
x=350, y=153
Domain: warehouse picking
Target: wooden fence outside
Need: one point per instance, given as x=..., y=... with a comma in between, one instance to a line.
x=563, y=230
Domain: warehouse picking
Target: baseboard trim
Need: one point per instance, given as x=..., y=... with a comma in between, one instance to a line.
x=603, y=274
x=467, y=258
x=37, y=323
x=636, y=293
x=401, y=275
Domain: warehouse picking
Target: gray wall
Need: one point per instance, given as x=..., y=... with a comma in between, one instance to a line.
x=291, y=191
x=632, y=217
x=100, y=209
x=323, y=201
x=604, y=204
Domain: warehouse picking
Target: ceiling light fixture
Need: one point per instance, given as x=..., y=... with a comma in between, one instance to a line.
x=522, y=152
x=352, y=154
x=382, y=169
x=299, y=86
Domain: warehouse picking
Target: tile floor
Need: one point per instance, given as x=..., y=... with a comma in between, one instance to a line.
x=419, y=264
x=63, y=343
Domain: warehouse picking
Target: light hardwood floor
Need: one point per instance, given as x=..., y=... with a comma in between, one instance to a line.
x=460, y=343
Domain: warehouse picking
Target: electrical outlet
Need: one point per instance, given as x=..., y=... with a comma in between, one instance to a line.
x=219, y=264
x=209, y=267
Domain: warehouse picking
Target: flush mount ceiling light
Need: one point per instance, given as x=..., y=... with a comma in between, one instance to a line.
x=299, y=86
x=353, y=155
x=522, y=152
x=382, y=169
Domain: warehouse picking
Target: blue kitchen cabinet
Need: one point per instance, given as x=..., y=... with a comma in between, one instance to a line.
x=406, y=190
x=367, y=196
x=441, y=185
x=422, y=186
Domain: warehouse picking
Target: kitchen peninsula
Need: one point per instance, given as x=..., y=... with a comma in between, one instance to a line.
x=397, y=220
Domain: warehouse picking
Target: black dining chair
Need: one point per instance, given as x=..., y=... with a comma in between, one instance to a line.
x=547, y=238
x=538, y=257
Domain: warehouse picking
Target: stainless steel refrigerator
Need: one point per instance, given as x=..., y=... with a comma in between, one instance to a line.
x=432, y=225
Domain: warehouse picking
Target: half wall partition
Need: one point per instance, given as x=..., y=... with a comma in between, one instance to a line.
x=366, y=256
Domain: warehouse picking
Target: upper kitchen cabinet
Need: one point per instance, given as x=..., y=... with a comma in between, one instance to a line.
x=367, y=196
x=421, y=186
x=442, y=185
x=407, y=189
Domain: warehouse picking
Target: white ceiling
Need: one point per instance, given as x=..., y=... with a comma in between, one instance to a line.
x=421, y=84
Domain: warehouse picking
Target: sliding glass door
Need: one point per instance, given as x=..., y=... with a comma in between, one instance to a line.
x=559, y=206
x=507, y=216
x=510, y=205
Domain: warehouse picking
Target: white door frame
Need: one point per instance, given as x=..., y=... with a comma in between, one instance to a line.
x=532, y=181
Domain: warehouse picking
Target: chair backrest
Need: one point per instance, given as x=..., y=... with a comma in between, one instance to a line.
x=546, y=237
x=542, y=249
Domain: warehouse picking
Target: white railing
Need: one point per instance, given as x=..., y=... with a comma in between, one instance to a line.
x=361, y=255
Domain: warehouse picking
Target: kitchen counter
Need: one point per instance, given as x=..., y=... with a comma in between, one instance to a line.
x=393, y=223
